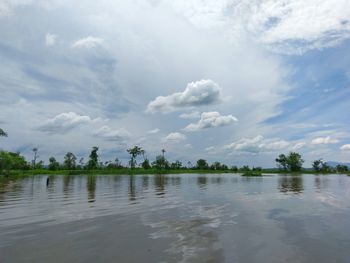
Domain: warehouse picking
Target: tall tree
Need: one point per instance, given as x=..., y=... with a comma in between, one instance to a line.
x=53, y=164
x=35, y=157
x=93, y=158
x=202, y=164
x=292, y=162
x=134, y=152
x=70, y=161
x=317, y=165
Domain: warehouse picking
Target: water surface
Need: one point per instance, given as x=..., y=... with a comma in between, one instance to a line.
x=176, y=218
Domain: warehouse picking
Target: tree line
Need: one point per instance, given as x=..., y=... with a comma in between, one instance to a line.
x=291, y=162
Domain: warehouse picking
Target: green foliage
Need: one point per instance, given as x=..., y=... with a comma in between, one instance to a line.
x=160, y=163
x=317, y=165
x=321, y=166
x=93, y=159
x=176, y=165
x=3, y=133
x=53, y=164
x=69, y=162
x=134, y=152
x=244, y=168
x=234, y=168
x=145, y=164
x=342, y=168
x=12, y=161
x=293, y=162
x=202, y=164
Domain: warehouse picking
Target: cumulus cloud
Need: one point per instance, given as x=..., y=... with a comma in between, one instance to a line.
x=190, y=115
x=50, y=39
x=202, y=92
x=324, y=140
x=258, y=144
x=211, y=120
x=109, y=134
x=345, y=147
x=175, y=137
x=64, y=122
x=88, y=42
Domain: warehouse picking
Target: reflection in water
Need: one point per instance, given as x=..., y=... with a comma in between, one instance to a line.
x=321, y=182
x=145, y=182
x=202, y=181
x=287, y=183
x=159, y=183
x=216, y=180
x=68, y=184
x=91, y=188
x=12, y=187
x=228, y=220
x=132, y=190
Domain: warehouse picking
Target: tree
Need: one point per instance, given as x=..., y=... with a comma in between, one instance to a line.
x=216, y=166
x=3, y=133
x=11, y=161
x=317, y=164
x=244, y=168
x=93, y=158
x=35, y=157
x=342, y=168
x=160, y=162
x=134, y=152
x=282, y=162
x=202, y=164
x=53, y=164
x=145, y=164
x=69, y=161
x=176, y=165
x=293, y=162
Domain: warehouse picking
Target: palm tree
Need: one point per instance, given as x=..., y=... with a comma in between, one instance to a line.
x=163, y=151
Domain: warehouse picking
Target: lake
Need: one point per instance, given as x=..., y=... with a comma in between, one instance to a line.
x=176, y=218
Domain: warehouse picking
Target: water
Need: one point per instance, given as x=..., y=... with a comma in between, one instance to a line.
x=176, y=218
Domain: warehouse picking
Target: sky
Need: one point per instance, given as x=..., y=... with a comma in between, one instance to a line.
x=236, y=81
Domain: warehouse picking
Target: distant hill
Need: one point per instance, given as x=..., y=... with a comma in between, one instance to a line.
x=334, y=164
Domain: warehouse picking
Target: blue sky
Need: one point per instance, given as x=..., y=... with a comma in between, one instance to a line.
x=236, y=81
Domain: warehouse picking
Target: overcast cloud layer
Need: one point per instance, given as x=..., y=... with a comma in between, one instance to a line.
x=228, y=80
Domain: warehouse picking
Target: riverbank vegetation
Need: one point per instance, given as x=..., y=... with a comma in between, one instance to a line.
x=14, y=164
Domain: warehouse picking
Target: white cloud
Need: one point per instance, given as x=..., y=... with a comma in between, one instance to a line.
x=175, y=137
x=298, y=25
x=258, y=144
x=299, y=145
x=109, y=134
x=202, y=92
x=345, y=147
x=154, y=131
x=64, y=122
x=285, y=26
x=211, y=120
x=88, y=42
x=324, y=140
x=50, y=39
x=190, y=115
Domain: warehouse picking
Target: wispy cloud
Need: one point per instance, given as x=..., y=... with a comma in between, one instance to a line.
x=88, y=42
